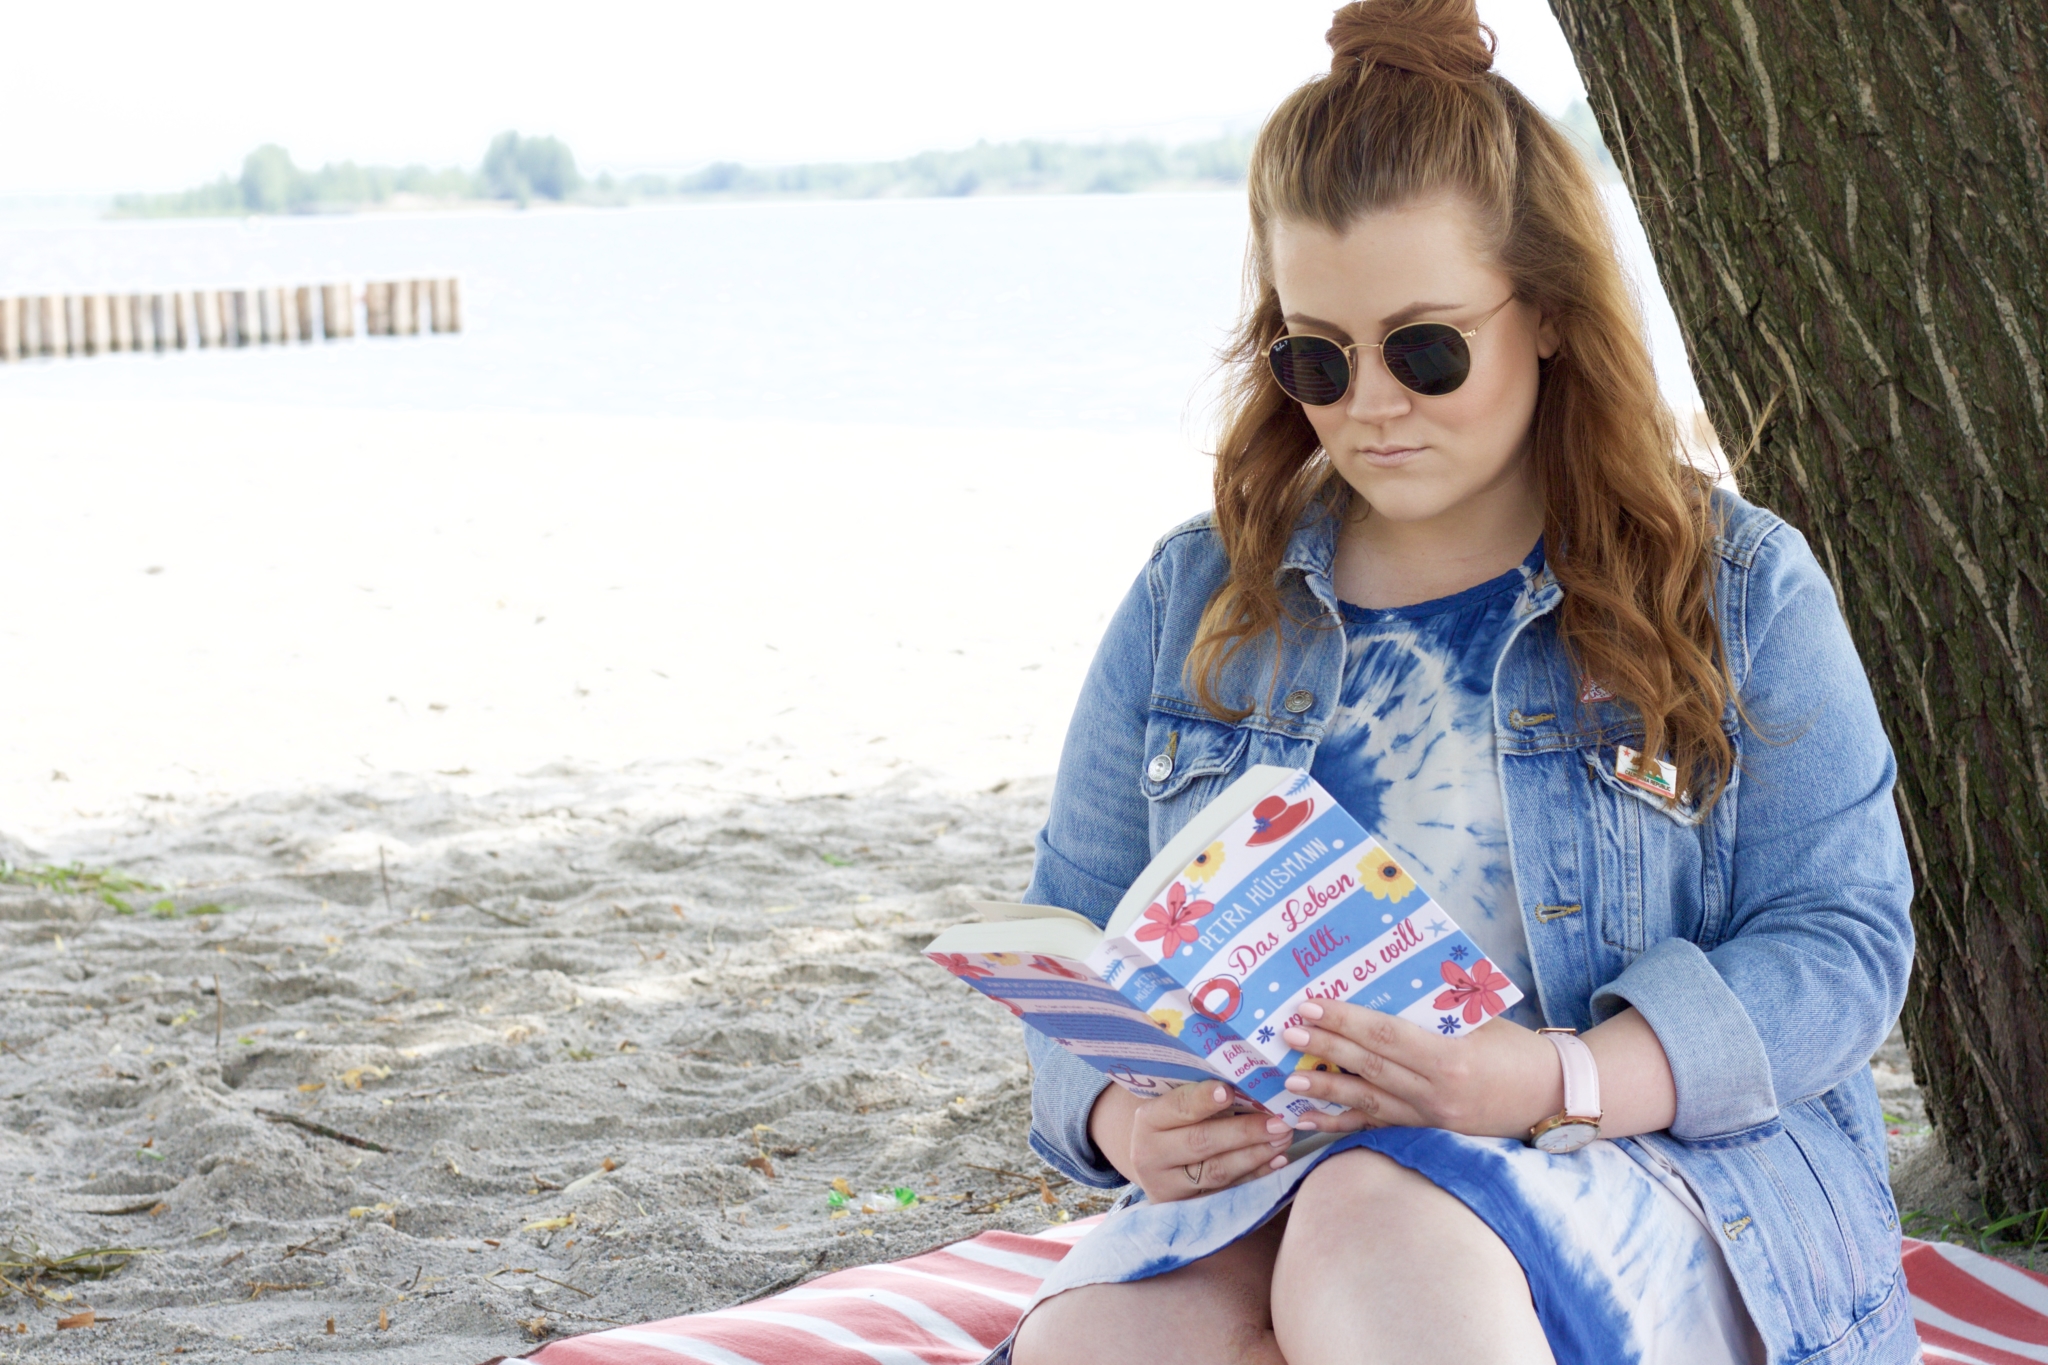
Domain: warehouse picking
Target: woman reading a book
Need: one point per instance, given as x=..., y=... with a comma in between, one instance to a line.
x=1607, y=713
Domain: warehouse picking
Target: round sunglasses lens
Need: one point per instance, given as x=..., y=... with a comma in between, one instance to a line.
x=1310, y=369
x=1428, y=357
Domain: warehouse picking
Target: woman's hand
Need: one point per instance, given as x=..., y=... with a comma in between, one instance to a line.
x=1496, y=1081
x=1186, y=1142
x=1499, y=1080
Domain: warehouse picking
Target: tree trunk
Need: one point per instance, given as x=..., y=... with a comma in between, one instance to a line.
x=1848, y=201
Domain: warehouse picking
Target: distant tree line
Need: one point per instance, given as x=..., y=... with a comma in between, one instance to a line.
x=514, y=167
x=1030, y=167
x=523, y=169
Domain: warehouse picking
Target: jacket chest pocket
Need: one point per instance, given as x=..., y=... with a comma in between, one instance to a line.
x=1187, y=761
x=1650, y=868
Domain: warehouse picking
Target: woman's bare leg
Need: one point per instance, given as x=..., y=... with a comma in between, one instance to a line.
x=1213, y=1311
x=1380, y=1267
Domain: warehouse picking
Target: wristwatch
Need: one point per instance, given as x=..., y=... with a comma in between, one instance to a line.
x=1579, y=1122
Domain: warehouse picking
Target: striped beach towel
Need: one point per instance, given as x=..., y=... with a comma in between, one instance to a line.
x=951, y=1307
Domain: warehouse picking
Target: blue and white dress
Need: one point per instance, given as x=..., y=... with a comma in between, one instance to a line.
x=1621, y=1262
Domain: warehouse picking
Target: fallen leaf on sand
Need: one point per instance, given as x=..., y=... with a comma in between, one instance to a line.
x=567, y=1220
x=310, y=1086
x=763, y=1165
x=365, y=1210
x=536, y=1327
x=82, y=1319
x=353, y=1077
x=383, y=1320
x=841, y=1188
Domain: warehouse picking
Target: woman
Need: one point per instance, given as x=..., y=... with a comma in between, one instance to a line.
x=1608, y=715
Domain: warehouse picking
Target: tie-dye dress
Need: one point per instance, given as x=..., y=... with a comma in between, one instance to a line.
x=1620, y=1260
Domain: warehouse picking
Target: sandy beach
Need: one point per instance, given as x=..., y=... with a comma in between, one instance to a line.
x=617, y=1036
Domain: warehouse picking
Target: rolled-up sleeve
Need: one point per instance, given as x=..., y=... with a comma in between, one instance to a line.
x=1094, y=844
x=1810, y=971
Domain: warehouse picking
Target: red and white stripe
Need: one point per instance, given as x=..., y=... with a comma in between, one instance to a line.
x=1973, y=1309
x=951, y=1307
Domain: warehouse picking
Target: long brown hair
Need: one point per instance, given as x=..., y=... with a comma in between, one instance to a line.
x=1411, y=109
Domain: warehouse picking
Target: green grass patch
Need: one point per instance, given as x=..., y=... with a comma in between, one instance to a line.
x=1994, y=1236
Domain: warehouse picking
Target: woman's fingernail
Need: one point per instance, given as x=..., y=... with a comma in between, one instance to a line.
x=1217, y=1095
x=1307, y=1127
x=1310, y=1010
x=1295, y=1037
x=1277, y=1162
x=1276, y=1125
x=1298, y=1084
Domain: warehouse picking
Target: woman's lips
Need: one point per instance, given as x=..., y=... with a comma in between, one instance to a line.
x=1388, y=457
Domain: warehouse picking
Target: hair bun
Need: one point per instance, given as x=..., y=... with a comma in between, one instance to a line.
x=1439, y=38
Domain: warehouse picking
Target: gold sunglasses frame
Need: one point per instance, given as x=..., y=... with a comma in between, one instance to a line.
x=1380, y=346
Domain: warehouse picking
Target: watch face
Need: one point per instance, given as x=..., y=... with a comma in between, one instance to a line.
x=1566, y=1137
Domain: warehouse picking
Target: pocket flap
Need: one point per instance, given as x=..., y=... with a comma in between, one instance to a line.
x=1179, y=749
x=1605, y=765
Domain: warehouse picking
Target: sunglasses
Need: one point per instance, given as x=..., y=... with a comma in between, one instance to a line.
x=1429, y=358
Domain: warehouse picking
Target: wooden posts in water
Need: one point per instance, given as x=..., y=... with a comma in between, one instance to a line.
x=377, y=309
x=337, y=311
x=274, y=315
x=447, y=306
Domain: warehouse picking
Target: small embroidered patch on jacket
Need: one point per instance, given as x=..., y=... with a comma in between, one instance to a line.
x=1593, y=691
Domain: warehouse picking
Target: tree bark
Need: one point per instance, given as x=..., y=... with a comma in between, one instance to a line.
x=1848, y=202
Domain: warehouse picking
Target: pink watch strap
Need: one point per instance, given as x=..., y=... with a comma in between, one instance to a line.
x=1581, y=1075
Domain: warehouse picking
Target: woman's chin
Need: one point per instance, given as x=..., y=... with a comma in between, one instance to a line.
x=1404, y=500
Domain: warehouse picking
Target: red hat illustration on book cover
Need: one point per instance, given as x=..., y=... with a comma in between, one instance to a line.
x=1274, y=819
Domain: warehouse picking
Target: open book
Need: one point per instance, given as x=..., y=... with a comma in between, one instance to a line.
x=1270, y=896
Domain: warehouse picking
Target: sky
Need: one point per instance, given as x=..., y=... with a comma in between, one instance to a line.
x=176, y=94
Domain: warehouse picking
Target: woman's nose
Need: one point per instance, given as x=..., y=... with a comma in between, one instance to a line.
x=1376, y=396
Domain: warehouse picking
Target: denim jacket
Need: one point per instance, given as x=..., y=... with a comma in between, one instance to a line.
x=1766, y=941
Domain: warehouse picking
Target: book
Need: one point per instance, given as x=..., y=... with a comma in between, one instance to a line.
x=1272, y=895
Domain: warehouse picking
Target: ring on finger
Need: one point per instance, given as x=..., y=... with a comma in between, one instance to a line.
x=1194, y=1172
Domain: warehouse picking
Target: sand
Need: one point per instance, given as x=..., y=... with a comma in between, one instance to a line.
x=206, y=599
x=575, y=972
x=706, y=719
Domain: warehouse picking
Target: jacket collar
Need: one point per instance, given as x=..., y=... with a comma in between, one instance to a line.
x=1312, y=551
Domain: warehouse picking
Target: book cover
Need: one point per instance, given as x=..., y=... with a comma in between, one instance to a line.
x=1277, y=897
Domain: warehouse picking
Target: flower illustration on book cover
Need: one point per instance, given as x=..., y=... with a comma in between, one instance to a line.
x=1383, y=876
x=1055, y=967
x=1207, y=864
x=1174, y=922
x=1172, y=1020
x=1477, y=991
x=960, y=964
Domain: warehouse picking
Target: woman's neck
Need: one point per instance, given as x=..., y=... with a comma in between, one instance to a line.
x=1386, y=563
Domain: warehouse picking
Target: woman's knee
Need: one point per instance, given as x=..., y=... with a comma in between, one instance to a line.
x=1372, y=1208
x=1353, y=1191
x=1214, y=1309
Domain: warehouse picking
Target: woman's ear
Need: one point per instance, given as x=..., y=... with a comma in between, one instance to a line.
x=1547, y=338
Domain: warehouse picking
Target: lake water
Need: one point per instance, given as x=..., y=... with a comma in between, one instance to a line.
x=1099, y=312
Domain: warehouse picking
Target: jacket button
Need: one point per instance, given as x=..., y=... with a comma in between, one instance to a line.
x=1160, y=768
x=1299, y=700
